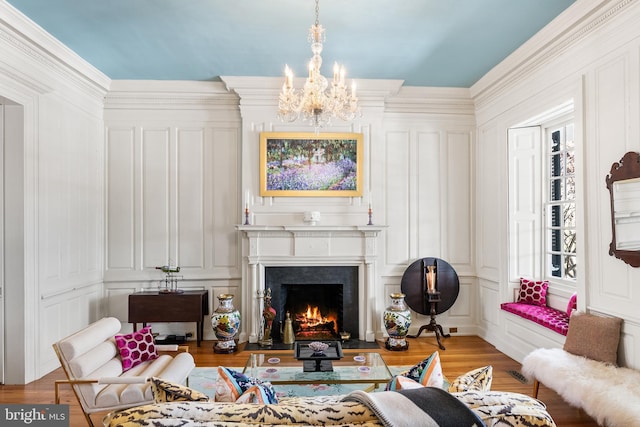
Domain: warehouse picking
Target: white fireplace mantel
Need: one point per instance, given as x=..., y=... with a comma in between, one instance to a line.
x=308, y=245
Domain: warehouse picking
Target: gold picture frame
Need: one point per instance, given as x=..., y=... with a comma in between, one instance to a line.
x=305, y=164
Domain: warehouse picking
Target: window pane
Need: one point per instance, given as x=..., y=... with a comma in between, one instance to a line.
x=556, y=165
x=555, y=141
x=555, y=241
x=570, y=163
x=570, y=241
x=555, y=265
x=556, y=191
x=571, y=188
x=569, y=143
x=570, y=268
x=556, y=218
x=569, y=215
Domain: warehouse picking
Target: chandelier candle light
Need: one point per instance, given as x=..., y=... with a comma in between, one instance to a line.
x=316, y=101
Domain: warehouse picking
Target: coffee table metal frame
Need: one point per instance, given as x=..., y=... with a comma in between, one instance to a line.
x=373, y=370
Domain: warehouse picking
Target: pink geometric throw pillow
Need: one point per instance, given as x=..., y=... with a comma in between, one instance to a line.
x=136, y=347
x=533, y=292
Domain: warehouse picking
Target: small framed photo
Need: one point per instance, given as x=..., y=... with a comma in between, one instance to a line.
x=311, y=165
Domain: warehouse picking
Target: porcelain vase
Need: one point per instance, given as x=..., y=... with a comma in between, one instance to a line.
x=225, y=322
x=397, y=319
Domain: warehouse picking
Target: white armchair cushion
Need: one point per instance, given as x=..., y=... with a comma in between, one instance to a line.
x=174, y=369
x=87, y=363
x=88, y=338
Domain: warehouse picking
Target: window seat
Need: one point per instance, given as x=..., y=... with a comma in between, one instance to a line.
x=549, y=317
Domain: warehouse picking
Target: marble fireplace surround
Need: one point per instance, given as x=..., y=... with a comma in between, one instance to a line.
x=308, y=245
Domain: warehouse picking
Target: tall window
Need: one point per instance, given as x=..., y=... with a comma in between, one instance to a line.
x=561, y=203
x=542, y=198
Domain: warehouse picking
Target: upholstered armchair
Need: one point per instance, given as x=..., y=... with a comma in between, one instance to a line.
x=108, y=371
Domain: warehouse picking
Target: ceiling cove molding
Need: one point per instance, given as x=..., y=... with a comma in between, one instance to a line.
x=19, y=77
x=571, y=26
x=264, y=91
x=169, y=94
x=27, y=37
x=431, y=100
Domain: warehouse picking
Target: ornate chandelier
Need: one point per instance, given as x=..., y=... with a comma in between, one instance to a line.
x=316, y=102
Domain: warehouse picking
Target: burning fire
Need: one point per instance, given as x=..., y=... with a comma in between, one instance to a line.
x=312, y=318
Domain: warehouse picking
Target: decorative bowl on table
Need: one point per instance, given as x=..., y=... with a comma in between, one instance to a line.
x=318, y=347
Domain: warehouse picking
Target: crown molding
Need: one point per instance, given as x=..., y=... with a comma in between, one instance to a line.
x=574, y=24
x=25, y=36
x=442, y=101
x=19, y=77
x=264, y=91
x=168, y=94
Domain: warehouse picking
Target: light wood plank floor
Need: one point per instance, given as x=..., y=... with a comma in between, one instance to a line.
x=463, y=353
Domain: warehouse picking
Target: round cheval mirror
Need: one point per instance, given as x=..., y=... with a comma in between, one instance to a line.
x=430, y=295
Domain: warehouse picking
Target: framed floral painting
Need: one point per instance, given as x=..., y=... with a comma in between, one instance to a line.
x=311, y=165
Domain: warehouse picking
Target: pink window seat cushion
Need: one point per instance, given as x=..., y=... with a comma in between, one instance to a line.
x=549, y=317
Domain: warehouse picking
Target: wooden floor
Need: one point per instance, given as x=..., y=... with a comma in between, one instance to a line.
x=462, y=355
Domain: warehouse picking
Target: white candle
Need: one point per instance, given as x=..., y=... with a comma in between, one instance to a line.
x=431, y=278
x=369, y=199
x=246, y=199
x=288, y=81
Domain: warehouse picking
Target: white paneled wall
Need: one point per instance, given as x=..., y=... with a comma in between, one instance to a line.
x=425, y=234
x=172, y=194
x=398, y=201
x=54, y=213
x=70, y=221
x=457, y=212
x=596, y=63
x=175, y=183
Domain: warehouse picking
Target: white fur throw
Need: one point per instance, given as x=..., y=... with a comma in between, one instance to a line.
x=609, y=394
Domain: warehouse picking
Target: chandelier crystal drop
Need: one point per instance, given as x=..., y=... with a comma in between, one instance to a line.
x=318, y=101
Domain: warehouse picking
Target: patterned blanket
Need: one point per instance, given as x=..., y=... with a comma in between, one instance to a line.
x=419, y=407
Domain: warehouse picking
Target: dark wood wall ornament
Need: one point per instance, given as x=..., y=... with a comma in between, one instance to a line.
x=628, y=168
x=414, y=286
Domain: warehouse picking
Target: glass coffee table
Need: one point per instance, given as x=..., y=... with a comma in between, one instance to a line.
x=281, y=368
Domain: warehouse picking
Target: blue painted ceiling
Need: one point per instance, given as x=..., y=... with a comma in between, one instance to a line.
x=449, y=43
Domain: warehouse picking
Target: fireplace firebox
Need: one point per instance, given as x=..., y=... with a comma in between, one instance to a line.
x=322, y=300
x=316, y=310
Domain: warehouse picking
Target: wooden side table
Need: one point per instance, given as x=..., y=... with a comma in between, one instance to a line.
x=418, y=298
x=187, y=306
